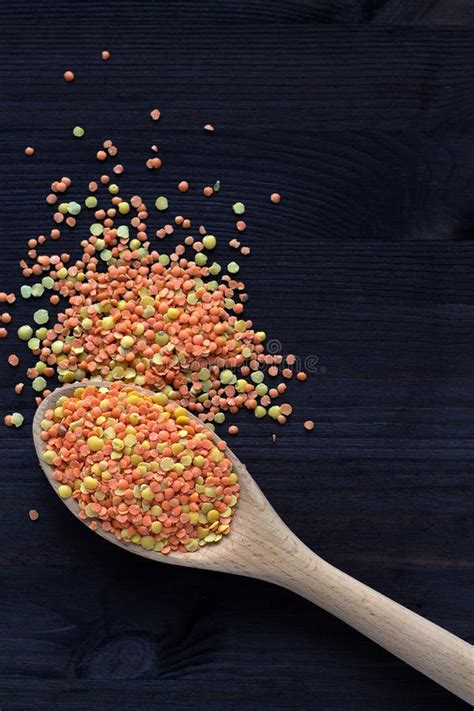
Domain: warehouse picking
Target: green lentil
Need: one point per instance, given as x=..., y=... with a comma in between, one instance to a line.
x=238, y=208
x=17, y=419
x=233, y=268
x=25, y=291
x=47, y=282
x=226, y=377
x=259, y=411
x=209, y=241
x=123, y=208
x=214, y=269
x=34, y=344
x=78, y=132
x=217, y=186
x=200, y=259
x=91, y=201
x=161, y=203
x=113, y=188
x=219, y=417
x=96, y=229
x=41, y=317
x=37, y=290
x=24, y=333
x=73, y=208
x=257, y=376
x=123, y=231
x=39, y=384
x=274, y=412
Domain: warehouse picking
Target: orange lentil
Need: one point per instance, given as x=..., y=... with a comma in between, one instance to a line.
x=105, y=54
x=233, y=430
x=101, y=155
x=19, y=388
x=241, y=225
x=275, y=198
x=69, y=76
x=3, y=332
x=183, y=186
x=8, y=420
x=11, y=298
x=309, y=425
x=286, y=409
x=13, y=360
x=29, y=151
x=6, y=318
x=301, y=376
x=208, y=127
x=208, y=191
x=245, y=251
x=33, y=514
x=155, y=114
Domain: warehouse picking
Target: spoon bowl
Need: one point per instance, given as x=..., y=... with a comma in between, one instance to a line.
x=260, y=545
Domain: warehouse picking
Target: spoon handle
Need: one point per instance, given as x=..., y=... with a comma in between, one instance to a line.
x=432, y=650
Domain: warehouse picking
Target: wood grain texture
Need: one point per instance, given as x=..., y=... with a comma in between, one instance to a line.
x=367, y=132
x=262, y=546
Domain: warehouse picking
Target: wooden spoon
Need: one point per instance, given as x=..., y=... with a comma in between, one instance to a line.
x=261, y=546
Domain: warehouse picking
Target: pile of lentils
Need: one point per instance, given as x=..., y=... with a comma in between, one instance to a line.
x=127, y=311
x=140, y=468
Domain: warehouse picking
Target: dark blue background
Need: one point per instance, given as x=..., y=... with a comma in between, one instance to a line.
x=360, y=114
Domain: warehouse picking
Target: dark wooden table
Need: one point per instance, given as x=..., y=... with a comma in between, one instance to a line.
x=361, y=115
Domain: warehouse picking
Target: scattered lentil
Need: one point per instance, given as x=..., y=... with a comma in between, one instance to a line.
x=309, y=425
x=238, y=208
x=69, y=76
x=29, y=151
x=33, y=514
